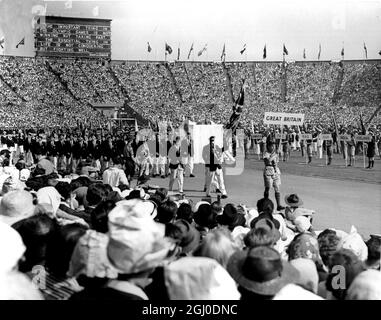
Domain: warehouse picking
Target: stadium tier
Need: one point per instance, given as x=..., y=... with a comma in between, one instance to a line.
x=51, y=92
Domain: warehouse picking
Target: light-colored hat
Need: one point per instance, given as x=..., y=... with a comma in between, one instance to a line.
x=199, y=278
x=12, y=248
x=354, y=242
x=308, y=275
x=17, y=286
x=12, y=184
x=137, y=242
x=302, y=224
x=15, y=206
x=51, y=196
x=366, y=286
x=24, y=175
x=295, y=292
x=90, y=257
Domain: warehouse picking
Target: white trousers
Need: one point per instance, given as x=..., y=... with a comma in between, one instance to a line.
x=189, y=163
x=176, y=174
x=214, y=177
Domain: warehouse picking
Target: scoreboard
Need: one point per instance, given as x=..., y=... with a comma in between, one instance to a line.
x=73, y=37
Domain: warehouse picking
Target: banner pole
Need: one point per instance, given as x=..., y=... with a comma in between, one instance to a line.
x=326, y=154
x=363, y=153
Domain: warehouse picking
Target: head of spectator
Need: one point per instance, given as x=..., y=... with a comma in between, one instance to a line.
x=80, y=195
x=36, y=232
x=96, y=193
x=12, y=248
x=344, y=266
x=184, y=212
x=263, y=233
x=308, y=275
x=166, y=212
x=204, y=217
x=114, y=196
x=217, y=208
x=60, y=249
x=185, y=235
x=199, y=278
x=15, y=206
x=99, y=216
x=64, y=189
x=365, y=286
x=230, y=217
x=218, y=244
x=354, y=242
x=24, y=175
x=137, y=243
x=162, y=193
x=156, y=199
x=12, y=184
x=260, y=273
x=328, y=242
x=80, y=182
x=50, y=196
x=89, y=263
x=374, y=250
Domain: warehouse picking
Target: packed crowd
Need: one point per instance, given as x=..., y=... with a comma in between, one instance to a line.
x=197, y=91
x=91, y=235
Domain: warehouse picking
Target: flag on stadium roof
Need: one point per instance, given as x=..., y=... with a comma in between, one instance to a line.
x=168, y=48
x=264, y=52
x=2, y=40
x=243, y=49
x=22, y=42
x=319, y=51
x=190, y=50
x=136, y=126
x=366, y=51
x=285, y=51
x=304, y=53
x=178, y=53
x=202, y=50
x=149, y=49
x=342, y=52
x=223, y=55
x=379, y=52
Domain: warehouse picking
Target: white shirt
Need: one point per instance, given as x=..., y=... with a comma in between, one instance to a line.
x=114, y=177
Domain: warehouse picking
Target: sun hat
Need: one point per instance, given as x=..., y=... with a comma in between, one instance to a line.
x=309, y=277
x=354, y=242
x=295, y=292
x=293, y=200
x=90, y=257
x=302, y=223
x=51, y=196
x=261, y=270
x=15, y=206
x=305, y=245
x=12, y=248
x=199, y=278
x=137, y=242
x=365, y=286
x=269, y=226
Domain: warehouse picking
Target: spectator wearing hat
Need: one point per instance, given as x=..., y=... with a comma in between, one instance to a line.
x=263, y=233
x=15, y=206
x=308, y=274
x=260, y=273
x=374, y=250
x=365, y=286
x=271, y=174
x=230, y=217
x=186, y=236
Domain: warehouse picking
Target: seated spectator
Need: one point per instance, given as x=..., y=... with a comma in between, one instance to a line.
x=260, y=273
x=99, y=216
x=309, y=278
x=166, y=212
x=218, y=244
x=354, y=242
x=374, y=250
x=15, y=206
x=204, y=218
x=184, y=212
x=185, y=235
x=230, y=217
x=328, y=243
x=263, y=233
x=295, y=292
x=365, y=286
x=42, y=162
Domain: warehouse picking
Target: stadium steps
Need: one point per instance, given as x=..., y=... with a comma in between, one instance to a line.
x=11, y=88
x=119, y=84
x=174, y=82
x=60, y=80
x=91, y=83
x=228, y=82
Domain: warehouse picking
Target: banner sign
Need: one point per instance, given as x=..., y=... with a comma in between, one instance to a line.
x=363, y=138
x=344, y=137
x=256, y=136
x=305, y=136
x=326, y=136
x=280, y=136
x=280, y=118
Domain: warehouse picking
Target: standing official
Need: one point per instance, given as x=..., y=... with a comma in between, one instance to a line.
x=187, y=154
x=176, y=168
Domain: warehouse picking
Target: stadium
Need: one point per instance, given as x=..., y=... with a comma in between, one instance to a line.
x=131, y=179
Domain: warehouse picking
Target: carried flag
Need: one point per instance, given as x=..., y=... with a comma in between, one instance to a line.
x=319, y=51
x=223, y=55
x=149, y=49
x=285, y=51
x=264, y=52
x=22, y=42
x=1, y=43
x=202, y=50
x=190, y=50
x=366, y=51
x=168, y=48
x=243, y=49
x=304, y=53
